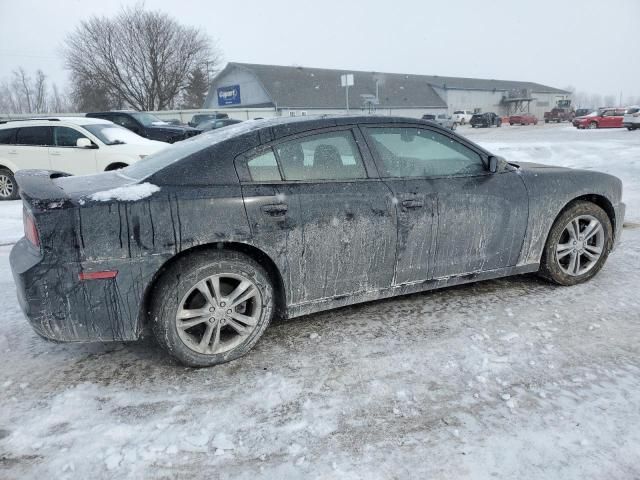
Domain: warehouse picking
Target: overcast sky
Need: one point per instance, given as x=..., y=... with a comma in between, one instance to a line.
x=590, y=44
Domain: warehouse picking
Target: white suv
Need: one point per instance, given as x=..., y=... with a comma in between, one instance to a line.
x=76, y=145
x=462, y=116
x=631, y=118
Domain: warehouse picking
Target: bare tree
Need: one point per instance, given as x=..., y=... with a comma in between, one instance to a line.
x=142, y=57
x=24, y=94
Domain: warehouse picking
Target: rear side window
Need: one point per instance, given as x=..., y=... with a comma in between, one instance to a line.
x=36, y=136
x=264, y=167
x=8, y=136
x=326, y=156
x=630, y=111
x=416, y=152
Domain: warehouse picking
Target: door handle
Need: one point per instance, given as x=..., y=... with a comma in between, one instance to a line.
x=56, y=154
x=412, y=204
x=275, y=210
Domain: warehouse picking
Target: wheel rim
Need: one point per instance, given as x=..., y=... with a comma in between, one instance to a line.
x=219, y=313
x=580, y=246
x=6, y=186
x=593, y=125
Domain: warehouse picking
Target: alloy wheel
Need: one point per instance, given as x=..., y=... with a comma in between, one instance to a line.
x=219, y=313
x=581, y=245
x=6, y=186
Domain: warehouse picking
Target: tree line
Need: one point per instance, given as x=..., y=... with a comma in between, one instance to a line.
x=139, y=59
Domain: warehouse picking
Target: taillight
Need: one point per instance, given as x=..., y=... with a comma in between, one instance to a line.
x=30, y=230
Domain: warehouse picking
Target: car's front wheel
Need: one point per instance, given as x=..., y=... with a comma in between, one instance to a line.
x=211, y=307
x=578, y=244
x=593, y=125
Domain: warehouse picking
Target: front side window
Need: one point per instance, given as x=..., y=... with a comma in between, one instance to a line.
x=416, y=152
x=66, y=137
x=35, y=136
x=264, y=167
x=327, y=156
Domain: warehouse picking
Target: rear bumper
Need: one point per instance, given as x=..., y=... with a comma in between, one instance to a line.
x=62, y=308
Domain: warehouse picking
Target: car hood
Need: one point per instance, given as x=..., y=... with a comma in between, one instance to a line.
x=536, y=166
x=143, y=148
x=172, y=128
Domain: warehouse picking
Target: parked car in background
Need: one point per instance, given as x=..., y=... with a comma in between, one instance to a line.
x=581, y=112
x=442, y=119
x=631, y=119
x=75, y=145
x=488, y=119
x=559, y=114
x=462, y=117
x=603, y=118
x=147, y=125
x=523, y=119
x=199, y=118
x=281, y=217
x=214, y=124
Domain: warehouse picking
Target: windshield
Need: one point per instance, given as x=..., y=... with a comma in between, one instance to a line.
x=111, y=134
x=147, y=119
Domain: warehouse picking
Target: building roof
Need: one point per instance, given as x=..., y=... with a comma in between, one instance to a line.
x=302, y=87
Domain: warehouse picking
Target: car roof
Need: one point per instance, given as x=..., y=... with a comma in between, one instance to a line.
x=78, y=121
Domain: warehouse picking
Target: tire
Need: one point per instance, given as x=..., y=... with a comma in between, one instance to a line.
x=176, y=291
x=558, y=263
x=499, y=124
x=8, y=186
x=593, y=125
x=546, y=120
x=512, y=124
x=454, y=125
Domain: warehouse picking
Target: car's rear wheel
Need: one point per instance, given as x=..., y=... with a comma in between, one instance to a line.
x=8, y=185
x=593, y=125
x=578, y=244
x=211, y=307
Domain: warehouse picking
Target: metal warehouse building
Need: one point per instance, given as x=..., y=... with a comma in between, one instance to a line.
x=306, y=91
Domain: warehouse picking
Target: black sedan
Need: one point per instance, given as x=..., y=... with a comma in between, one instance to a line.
x=488, y=119
x=207, y=240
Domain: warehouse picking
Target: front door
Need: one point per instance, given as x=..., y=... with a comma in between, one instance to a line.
x=66, y=156
x=454, y=216
x=332, y=226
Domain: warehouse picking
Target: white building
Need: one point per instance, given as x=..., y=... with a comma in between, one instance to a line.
x=305, y=91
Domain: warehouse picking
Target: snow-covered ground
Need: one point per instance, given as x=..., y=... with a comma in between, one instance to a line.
x=512, y=378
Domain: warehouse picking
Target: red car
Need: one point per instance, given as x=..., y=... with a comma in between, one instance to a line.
x=523, y=119
x=603, y=118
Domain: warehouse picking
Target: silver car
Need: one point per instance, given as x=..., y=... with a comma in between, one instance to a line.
x=631, y=119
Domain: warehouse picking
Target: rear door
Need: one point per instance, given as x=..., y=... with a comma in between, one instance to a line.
x=66, y=156
x=454, y=217
x=32, y=147
x=315, y=199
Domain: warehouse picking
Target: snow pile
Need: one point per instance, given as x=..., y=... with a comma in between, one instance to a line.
x=128, y=193
x=11, y=229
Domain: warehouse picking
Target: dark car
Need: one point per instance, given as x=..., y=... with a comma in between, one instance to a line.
x=199, y=118
x=488, y=119
x=213, y=124
x=148, y=125
x=205, y=241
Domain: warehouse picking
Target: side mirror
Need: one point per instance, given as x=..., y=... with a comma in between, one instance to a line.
x=84, y=143
x=493, y=164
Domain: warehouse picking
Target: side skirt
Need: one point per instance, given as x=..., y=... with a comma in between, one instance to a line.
x=322, y=304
